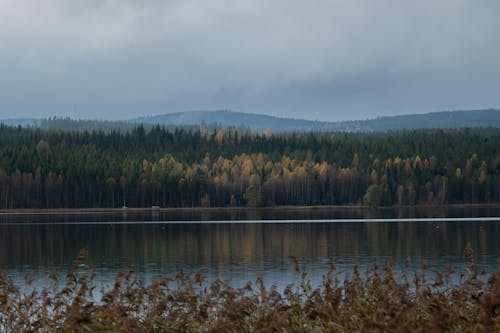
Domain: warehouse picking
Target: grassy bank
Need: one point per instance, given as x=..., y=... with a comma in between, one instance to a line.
x=333, y=208
x=378, y=300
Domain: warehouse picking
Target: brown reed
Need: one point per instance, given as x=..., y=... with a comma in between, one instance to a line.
x=378, y=300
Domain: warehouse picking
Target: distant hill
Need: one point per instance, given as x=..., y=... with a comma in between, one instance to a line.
x=80, y=125
x=258, y=122
x=444, y=119
x=24, y=122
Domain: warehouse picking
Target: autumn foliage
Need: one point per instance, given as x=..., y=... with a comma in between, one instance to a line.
x=54, y=169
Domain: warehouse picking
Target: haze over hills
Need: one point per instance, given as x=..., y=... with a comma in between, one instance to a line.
x=260, y=122
x=256, y=122
x=444, y=119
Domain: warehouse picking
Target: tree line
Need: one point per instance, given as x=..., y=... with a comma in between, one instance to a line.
x=190, y=168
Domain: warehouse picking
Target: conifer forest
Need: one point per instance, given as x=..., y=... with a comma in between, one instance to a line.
x=156, y=166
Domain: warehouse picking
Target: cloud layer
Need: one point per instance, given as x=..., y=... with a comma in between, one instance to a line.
x=322, y=59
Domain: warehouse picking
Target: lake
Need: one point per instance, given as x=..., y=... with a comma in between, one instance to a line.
x=242, y=244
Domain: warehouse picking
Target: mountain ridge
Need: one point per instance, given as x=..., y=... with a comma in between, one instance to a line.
x=262, y=122
x=226, y=118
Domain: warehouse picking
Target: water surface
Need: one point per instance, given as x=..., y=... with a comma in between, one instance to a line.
x=239, y=252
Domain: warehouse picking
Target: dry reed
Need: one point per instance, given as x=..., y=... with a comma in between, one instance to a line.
x=378, y=300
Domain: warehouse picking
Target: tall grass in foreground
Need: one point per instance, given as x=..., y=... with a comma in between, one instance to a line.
x=378, y=300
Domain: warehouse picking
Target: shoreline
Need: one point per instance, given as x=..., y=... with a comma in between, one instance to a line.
x=143, y=210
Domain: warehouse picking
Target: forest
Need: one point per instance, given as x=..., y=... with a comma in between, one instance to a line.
x=157, y=166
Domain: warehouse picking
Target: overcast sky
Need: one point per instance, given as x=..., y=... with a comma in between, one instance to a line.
x=313, y=59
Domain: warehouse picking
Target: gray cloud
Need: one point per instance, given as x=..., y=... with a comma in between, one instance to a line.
x=313, y=59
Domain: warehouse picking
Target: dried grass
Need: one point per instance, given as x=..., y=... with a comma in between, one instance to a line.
x=378, y=300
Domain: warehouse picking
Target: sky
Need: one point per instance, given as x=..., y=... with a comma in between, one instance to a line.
x=315, y=59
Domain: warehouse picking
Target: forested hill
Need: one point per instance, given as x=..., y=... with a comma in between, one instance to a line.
x=81, y=125
x=57, y=169
x=258, y=122
x=214, y=120
x=445, y=119
x=255, y=122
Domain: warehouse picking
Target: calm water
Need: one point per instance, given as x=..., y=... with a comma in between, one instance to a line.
x=237, y=252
